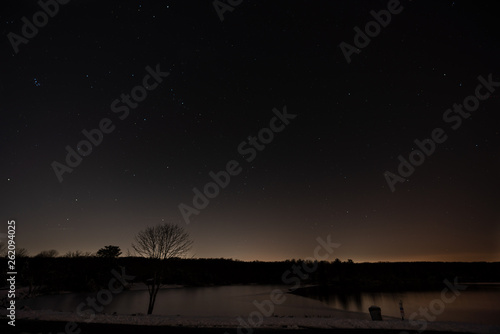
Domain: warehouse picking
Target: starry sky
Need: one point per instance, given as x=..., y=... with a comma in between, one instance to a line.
x=221, y=86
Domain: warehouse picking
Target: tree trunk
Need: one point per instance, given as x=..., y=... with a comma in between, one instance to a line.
x=153, y=292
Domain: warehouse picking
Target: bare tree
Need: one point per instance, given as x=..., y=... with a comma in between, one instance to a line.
x=22, y=252
x=160, y=243
x=48, y=253
x=77, y=253
x=129, y=254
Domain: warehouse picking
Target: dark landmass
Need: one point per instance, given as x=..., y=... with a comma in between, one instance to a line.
x=92, y=273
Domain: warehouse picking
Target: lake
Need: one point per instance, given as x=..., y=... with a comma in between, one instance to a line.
x=477, y=304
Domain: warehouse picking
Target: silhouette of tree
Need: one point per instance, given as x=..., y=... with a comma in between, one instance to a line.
x=77, y=254
x=109, y=251
x=48, y=253
x=160, y=243
x=21, y=252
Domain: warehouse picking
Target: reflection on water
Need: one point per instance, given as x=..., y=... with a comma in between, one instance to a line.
x=475, y=305
x=194, y=301
x=349, y=302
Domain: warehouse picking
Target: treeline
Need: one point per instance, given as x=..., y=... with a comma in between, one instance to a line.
x=90, y=273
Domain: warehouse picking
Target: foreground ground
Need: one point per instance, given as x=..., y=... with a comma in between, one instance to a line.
x=36, y=326
x=55, y=322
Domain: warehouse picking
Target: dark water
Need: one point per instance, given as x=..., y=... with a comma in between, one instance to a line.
x=475, y=305
x=195, y=301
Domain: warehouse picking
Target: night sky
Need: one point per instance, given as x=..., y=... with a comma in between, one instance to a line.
x=323, y=172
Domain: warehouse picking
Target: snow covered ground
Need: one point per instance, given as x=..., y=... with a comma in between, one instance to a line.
x=340, y=319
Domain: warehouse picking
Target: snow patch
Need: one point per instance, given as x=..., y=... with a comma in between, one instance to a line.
x=271, y=322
